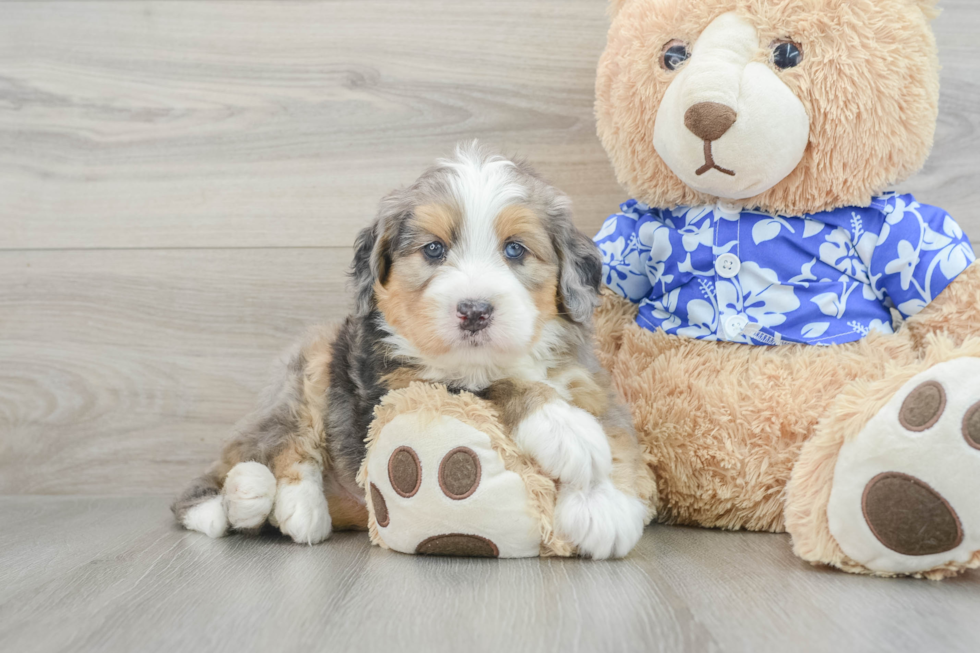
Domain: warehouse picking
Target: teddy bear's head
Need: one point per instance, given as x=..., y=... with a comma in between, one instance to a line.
x=791, y=106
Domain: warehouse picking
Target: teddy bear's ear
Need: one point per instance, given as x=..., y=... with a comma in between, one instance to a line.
x=616, y=5
x=928, y=7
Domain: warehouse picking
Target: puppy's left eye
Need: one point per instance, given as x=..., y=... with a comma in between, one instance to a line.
x=434, y=251
x=514, y=251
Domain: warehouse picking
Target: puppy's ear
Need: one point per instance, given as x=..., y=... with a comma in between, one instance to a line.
x=374, y=250
x=580, y=265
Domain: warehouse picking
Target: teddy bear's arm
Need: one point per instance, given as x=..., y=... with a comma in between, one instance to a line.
x=620, y=247
x=918, y=252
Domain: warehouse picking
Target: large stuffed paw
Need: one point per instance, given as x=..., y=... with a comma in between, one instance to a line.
x=906, y=490
x=602, y=521
x=436, y=484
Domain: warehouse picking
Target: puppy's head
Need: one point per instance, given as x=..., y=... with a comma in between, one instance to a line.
x=477, y=259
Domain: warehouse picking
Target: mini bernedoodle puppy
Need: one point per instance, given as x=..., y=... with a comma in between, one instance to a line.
x=473, y=277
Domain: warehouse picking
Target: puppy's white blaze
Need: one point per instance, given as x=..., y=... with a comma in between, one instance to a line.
x=475, y=268
x=602, y=521
x=207, y=517
x=482, y=187
x=301, y=509
x=568, y=443
x=249, y=490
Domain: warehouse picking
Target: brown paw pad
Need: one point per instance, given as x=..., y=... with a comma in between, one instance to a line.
x=909, y=517
x=923, y=407
x=458, y=544
x=459, y=473
x=971, y=426
x=380, y=507
x=405, y=471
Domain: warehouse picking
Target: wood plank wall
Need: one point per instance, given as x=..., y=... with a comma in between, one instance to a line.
x=180, y=184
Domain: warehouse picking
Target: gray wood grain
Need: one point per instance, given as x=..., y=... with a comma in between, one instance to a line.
x=179, y=186
x=147, y=125
x=260, y=124
x=107, y=575
x=122, y=371
x=228, y=130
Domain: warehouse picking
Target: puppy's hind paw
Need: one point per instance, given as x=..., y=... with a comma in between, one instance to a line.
x=249, y=491
x=207, y=517
x=601, y=521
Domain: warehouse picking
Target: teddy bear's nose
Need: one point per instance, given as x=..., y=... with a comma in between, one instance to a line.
x=709, y=120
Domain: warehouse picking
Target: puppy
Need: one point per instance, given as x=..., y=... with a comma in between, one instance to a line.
x=473, y=277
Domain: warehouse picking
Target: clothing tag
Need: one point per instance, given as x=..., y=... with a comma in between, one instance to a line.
x=754, y=332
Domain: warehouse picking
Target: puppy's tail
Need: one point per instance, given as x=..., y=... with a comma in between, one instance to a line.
x=199, y=507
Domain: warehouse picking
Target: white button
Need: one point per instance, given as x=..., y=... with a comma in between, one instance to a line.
x=729, y=207
x=727, y=265
x=735, y=325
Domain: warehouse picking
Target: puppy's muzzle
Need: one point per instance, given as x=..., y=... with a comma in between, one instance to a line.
x=474, y=315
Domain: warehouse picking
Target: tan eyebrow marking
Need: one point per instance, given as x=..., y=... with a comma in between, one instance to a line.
x=519, y=222
x=440, y=220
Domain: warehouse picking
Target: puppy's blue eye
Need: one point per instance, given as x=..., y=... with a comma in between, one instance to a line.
x=514, y=250
x=434, y=251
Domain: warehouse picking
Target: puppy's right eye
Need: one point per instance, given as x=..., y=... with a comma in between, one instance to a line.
x=434, y=251
x=675, y=54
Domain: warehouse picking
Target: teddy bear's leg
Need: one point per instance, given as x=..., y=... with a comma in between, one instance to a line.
x=889, y=483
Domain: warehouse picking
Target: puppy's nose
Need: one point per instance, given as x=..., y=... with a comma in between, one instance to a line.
x=473, y=314
x=709, y=120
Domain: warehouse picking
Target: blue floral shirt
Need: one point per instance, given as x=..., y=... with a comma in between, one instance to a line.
x=717, y=273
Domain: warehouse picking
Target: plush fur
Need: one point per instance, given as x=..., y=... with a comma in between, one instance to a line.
x=473, y=278
x=748, y=436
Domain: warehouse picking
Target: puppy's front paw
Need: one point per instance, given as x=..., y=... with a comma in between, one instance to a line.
x=249, y=491
x=602, y=521
x=567, y=442
x=302, y=512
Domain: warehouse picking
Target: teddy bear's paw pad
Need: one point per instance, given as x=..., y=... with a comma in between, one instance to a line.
x=909, y=517
x=248, y=495
x=438, y=487
x=380, y=507
x=459, y=473
x=458, y=544
x=905, y=493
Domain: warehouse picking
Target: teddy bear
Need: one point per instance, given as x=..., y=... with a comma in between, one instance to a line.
x=797, y=342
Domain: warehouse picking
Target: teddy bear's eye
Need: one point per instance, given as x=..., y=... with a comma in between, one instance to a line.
x=786, y=54
x=675, y=53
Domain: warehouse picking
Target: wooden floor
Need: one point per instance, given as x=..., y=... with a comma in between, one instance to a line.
x=180, y=185
x=107, y=575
